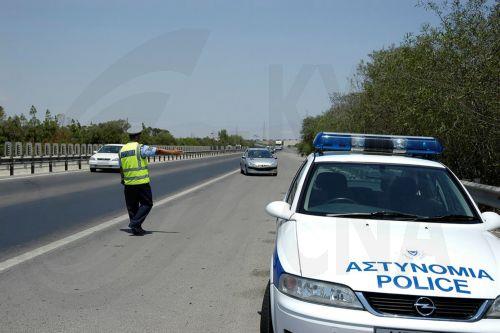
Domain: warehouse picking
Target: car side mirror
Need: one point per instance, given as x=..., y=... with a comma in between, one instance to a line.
x=275, y=157
x=243, y=157
x=279, y=209
x=95, y=151
x=491, y=221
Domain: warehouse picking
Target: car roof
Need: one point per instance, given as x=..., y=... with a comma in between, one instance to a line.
x=114, y=144
x=257, y=148
x=373, y=158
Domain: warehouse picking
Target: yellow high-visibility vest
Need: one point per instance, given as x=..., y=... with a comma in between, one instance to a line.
x=135, y=168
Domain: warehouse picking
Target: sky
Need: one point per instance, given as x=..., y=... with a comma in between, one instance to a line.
x=255, y=68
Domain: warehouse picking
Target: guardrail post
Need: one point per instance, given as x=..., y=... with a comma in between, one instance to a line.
x=7, y=149
x=30, y=153
x=38, y=149
x=18, y=149
x=79, y=163
x=11, y=167
x=55, y=149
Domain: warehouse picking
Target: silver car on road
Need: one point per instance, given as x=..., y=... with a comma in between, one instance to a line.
x=258, y=161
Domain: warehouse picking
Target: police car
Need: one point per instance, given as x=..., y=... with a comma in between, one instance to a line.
x=374, y=235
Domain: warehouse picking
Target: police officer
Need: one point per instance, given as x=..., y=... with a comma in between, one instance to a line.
x=135, y=177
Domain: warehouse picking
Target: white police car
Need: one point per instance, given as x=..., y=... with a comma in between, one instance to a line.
x=373, y=236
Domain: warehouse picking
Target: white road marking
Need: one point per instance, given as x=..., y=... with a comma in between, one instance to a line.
x=4, y=265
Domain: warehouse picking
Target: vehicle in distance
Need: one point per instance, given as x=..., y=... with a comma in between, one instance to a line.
x=257, y=161
x=106, y=158
x=278, y=144
x=375, y=237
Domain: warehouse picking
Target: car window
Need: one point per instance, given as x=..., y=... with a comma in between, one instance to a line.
x=355, y=188
x=293, y=187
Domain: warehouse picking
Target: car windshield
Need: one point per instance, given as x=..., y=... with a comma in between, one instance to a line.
x=384, y=192
x=260, y=153
x=110, y=149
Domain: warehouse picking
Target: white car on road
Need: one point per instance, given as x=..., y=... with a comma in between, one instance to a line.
x=106, y=158
x=373, y=236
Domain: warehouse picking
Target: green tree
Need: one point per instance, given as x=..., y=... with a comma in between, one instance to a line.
x=441, y=82
x=49, y=127
x=223, y=137
x=33, y=126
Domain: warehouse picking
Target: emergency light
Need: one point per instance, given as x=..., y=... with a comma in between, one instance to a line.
x=391, y=144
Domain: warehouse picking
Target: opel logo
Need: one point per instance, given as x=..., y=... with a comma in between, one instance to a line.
x=424, y=306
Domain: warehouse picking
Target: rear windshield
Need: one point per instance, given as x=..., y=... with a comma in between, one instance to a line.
x=353, y=188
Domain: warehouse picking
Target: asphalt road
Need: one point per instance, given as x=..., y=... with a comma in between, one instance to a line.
x=204, y=267
x=37, y=210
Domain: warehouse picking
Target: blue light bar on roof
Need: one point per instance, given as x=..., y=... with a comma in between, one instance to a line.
x=392, y=144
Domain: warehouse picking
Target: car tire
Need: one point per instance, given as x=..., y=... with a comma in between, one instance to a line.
x=266, y=322
x=245, y=172
x=241, y=170
x=93, y=169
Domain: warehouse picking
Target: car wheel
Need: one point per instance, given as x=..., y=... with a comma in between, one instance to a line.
x=275, y=174
x=245, y=172
x=266, y=322
x=241, y=170
x=93, y=169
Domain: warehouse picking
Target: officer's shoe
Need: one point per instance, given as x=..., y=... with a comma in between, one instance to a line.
x=142, y=230
x=138, y=231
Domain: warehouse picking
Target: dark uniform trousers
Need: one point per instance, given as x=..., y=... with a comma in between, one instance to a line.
x=139, y=200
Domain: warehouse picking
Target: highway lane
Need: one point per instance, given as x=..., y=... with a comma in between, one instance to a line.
x=203, y=269
x=37, y=210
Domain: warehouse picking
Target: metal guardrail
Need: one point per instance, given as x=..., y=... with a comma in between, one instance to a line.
x=484, y=194
x=37, y=154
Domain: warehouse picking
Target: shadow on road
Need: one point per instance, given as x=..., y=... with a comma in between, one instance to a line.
x=266, y=325
x=149, y=232
x=108, y=171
